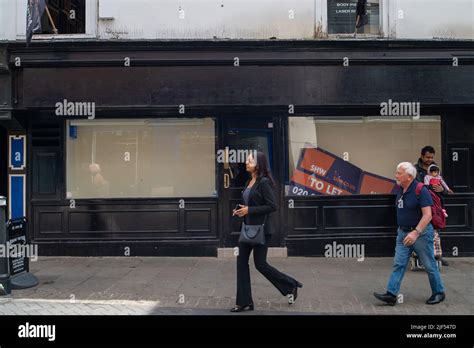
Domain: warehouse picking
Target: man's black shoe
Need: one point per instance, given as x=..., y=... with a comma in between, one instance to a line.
x=436, y=298
x=387, y=298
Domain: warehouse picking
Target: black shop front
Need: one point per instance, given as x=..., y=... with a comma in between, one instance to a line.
x=137, y=148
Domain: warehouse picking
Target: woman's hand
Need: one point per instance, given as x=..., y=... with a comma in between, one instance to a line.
x=244, y=210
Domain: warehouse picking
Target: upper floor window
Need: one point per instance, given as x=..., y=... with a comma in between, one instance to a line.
x=64, y=17
x=342, y=16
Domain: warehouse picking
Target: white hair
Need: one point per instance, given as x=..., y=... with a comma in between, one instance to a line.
x=408, y=167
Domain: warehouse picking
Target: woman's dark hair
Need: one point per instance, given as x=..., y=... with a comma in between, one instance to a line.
x=263, y=169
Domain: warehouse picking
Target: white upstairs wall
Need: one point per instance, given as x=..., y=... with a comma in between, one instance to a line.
x=433, y=19
x=206, y=19
x=246, y=19
x=8, y=19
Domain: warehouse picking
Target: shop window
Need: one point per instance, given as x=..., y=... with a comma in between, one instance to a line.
x=355, y=155
x=342, y=17
x=141, y=158
x=67, y=16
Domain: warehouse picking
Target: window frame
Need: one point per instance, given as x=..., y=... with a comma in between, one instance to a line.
x=64, y=193
x=90, y=27
x=286, y=179
x=384, y=6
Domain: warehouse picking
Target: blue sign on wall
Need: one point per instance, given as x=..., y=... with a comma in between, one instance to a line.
x=17, y=196
x=17, y=152
x=73, y=132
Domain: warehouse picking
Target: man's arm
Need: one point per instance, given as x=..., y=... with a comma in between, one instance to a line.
x=411, y=237
x=439, y=189
x=425, y=219
x=445, y=186
x=425, y=202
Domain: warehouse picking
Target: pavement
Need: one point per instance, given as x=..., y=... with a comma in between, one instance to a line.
x=206, y=286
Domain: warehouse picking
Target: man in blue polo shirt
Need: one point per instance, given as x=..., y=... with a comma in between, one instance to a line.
x=415, y=233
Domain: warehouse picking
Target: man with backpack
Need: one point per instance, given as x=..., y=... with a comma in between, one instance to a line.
x=415, y=233
x=424, y=162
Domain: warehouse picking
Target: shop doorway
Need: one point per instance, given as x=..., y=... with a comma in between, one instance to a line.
x=240, y=136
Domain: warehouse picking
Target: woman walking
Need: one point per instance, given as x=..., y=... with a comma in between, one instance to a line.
x=259, y=202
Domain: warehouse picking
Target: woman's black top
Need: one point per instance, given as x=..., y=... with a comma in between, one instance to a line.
x=261, y=201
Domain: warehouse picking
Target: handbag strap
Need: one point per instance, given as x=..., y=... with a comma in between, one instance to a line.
x=264, y=220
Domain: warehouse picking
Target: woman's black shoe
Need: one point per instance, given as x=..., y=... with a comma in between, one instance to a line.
x=242, y=308
x=294, y=294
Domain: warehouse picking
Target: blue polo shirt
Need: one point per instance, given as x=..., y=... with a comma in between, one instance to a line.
x=409, y=211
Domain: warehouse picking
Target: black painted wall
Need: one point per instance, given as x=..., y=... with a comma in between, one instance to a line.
x=271, y=77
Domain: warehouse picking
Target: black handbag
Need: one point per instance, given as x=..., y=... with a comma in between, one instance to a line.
x=253, y=234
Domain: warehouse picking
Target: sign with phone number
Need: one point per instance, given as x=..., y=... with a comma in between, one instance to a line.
x=320, y=172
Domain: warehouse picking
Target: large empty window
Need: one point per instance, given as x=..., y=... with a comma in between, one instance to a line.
x=141, y=158
x=342, y=17
x=355, y=155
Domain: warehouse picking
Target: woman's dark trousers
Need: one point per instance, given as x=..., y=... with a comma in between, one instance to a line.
x=285, y=284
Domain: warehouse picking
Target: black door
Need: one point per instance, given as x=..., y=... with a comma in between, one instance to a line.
x=240, y=136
